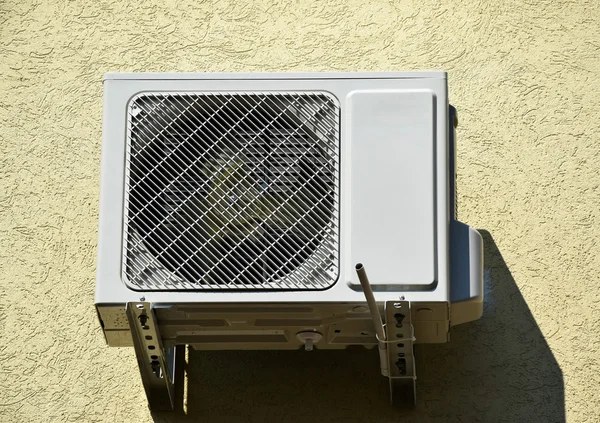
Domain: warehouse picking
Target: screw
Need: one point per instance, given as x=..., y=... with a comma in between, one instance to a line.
x=401, y=297
x=142, y=298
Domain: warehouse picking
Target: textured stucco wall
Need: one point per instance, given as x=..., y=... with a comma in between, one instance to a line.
x=524, y=76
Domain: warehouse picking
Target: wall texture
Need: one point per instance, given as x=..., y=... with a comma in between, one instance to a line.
x=524, y=77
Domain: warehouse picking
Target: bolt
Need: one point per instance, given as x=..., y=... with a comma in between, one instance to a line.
x=401, y=364
x=401, y=297
x=155, y=365
x=142, y=298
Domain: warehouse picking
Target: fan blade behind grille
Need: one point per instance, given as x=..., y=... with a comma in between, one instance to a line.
x=232, y=191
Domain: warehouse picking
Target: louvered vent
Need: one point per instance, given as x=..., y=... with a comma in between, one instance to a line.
x=232, y=191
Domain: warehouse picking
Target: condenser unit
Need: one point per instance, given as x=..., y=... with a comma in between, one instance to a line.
x=245, y=211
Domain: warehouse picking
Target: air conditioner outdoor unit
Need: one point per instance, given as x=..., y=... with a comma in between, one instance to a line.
x=244, y=211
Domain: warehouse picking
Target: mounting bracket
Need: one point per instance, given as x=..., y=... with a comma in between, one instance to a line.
x=157, y=365
x=401, y=360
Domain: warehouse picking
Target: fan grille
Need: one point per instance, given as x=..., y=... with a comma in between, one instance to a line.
x=234, y=190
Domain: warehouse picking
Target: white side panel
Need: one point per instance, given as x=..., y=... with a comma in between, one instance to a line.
x=392, y=185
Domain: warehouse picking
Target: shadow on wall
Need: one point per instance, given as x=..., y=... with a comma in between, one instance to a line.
x=498, y=369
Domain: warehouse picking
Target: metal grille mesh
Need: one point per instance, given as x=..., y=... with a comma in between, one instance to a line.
x=232, y=191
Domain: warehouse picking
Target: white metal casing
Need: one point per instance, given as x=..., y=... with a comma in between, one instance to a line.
x=402, y=217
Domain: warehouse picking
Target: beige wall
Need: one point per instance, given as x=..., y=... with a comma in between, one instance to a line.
x=524, y=76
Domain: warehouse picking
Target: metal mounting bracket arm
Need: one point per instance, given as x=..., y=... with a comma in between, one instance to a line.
x=157, y=365
x=396, y=339
x=401, y=360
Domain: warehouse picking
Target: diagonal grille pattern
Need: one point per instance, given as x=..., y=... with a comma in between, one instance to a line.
x=232, y=191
